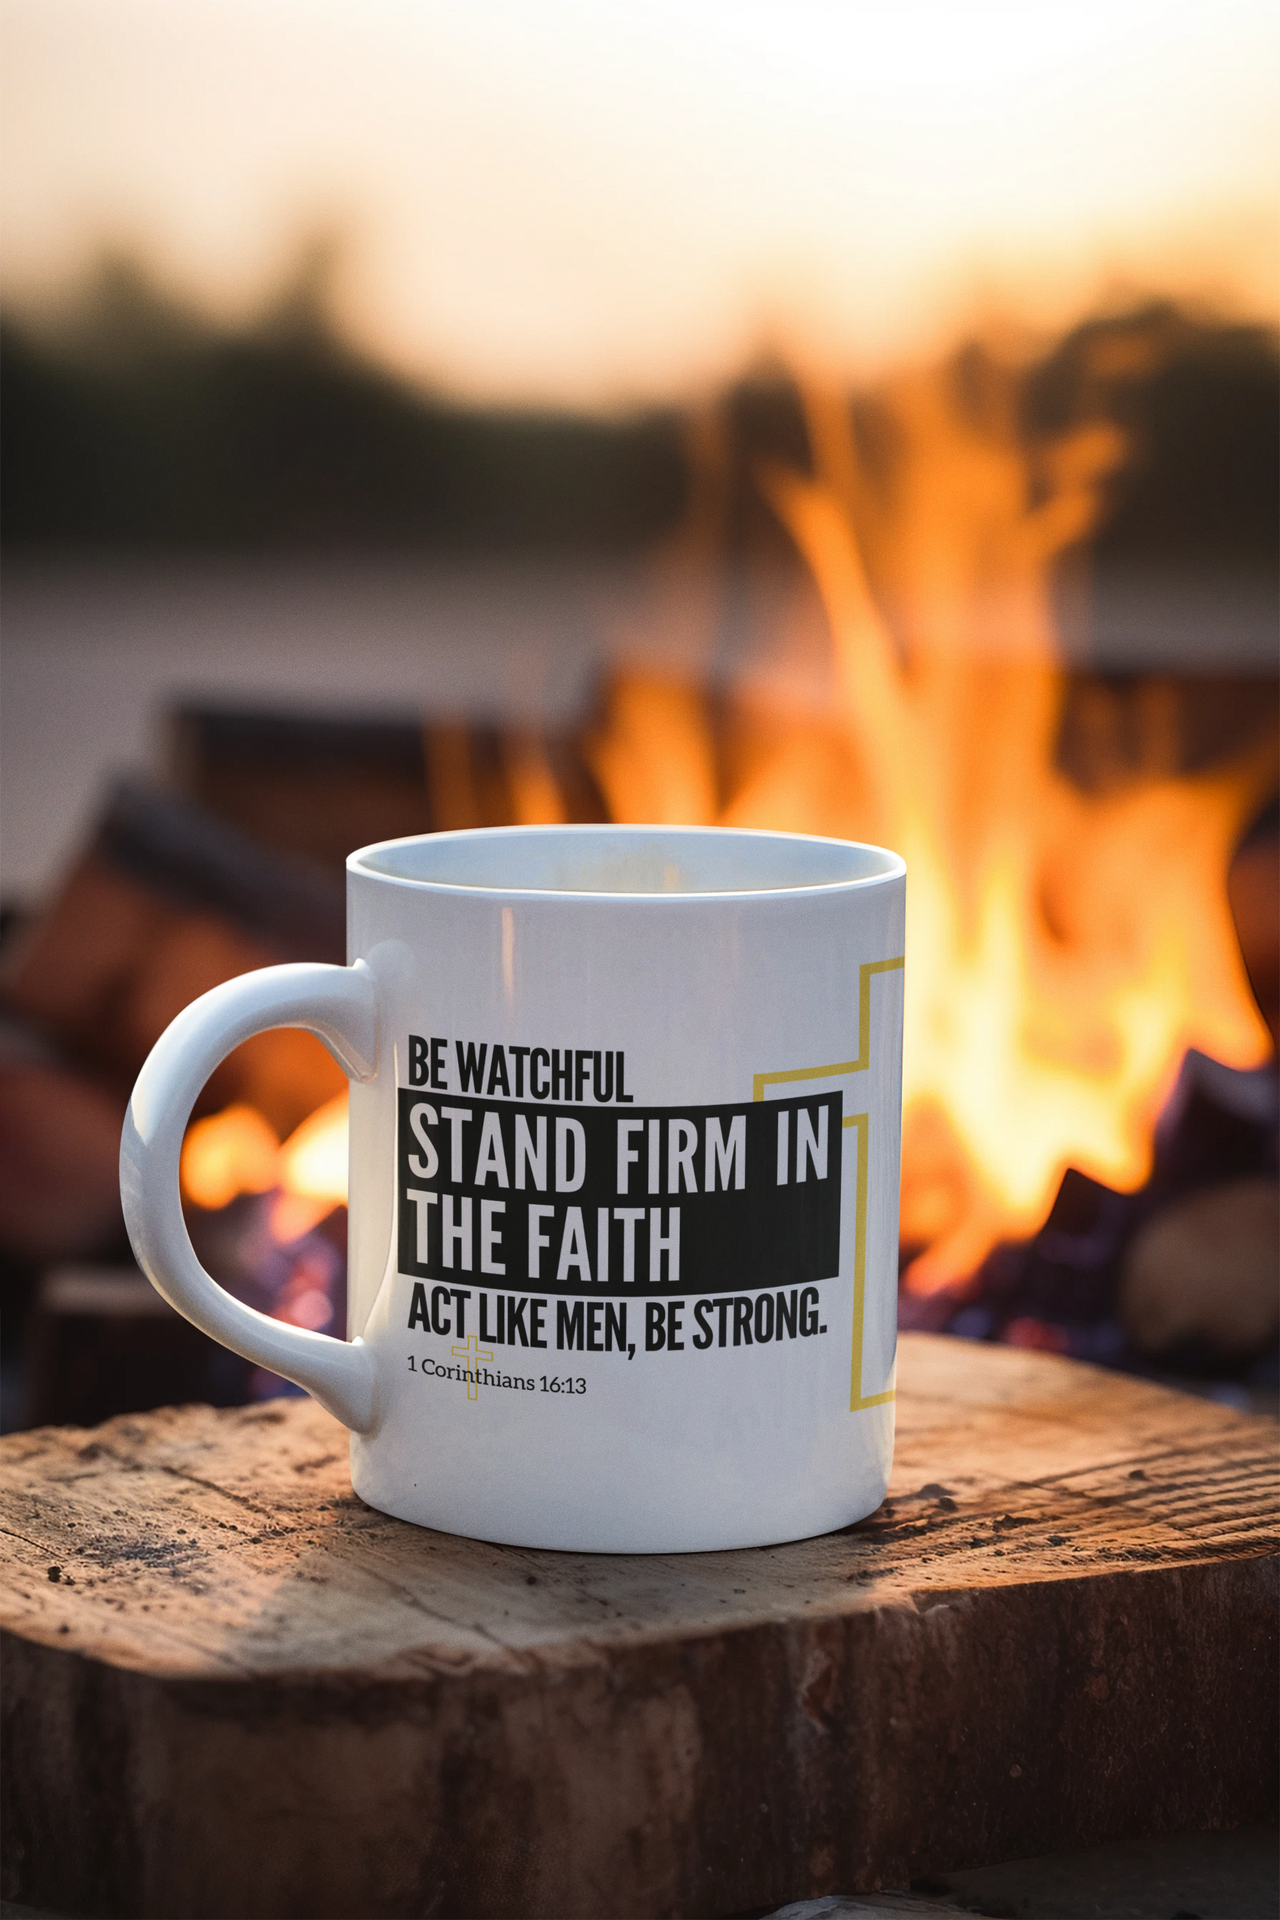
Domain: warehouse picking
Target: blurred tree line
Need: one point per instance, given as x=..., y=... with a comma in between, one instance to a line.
x=132, y=423
x=136, y=424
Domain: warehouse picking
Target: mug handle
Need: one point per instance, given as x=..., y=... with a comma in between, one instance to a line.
x=338, y=1005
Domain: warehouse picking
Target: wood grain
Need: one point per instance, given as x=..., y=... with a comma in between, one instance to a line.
x=243, y=1692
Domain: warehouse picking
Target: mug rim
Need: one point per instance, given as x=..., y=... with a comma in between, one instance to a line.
x=361, y=862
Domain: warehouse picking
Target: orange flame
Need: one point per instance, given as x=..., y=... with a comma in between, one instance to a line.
x=230, y=1153
x=236, y=1152
x=313, y=1171
x=1064, y=949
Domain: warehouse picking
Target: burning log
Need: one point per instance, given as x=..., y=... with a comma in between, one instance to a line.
x=165, y=903
x=304, y=785
x=1254, y=889
x=1100, y=1281
x=318, y=787
x=1201, y=1275
x=59, y=1156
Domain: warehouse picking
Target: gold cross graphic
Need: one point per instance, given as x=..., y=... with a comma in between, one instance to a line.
x=474, y=1352
x=862, y=1122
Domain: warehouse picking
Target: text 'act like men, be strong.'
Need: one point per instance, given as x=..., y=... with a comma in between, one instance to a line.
x=519, y=1175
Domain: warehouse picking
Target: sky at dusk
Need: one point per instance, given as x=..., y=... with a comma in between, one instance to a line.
x=601, y=204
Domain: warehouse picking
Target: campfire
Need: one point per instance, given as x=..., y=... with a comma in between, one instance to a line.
x=857, y=630
x=268, y=1217
x=236, y=1152
x=1068, y=947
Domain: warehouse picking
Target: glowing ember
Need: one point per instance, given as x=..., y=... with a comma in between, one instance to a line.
x=1064, y=949
x=230, y=1153
x=313, y=1171
x=235, y=1152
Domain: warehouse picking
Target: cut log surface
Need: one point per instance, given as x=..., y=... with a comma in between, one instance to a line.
x=233, y=1689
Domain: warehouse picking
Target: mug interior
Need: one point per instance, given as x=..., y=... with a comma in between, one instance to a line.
x=627, y=860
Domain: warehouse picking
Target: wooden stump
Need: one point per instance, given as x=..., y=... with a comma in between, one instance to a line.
x=232, y=1689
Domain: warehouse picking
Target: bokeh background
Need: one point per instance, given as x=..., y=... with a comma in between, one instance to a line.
x=848, y=418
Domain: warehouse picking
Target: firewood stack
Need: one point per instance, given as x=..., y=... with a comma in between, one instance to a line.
x=165, y=903
x=236, y=864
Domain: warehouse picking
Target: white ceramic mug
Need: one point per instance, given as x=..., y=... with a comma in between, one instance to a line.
x=625, y=1118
